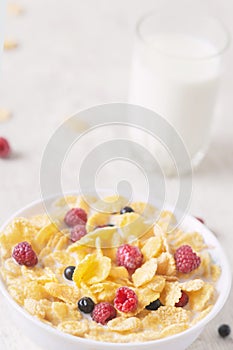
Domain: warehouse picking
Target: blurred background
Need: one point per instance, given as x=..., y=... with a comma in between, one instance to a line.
x=63, y=56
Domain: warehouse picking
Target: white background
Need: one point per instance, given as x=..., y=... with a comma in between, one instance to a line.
x=75, y=54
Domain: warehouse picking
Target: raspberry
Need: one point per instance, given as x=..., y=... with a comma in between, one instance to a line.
x=130, y=257
x=126, y=300
x=77, y=232
x=103, y=312
x=24, y=254
x=183, y=300
x=4, y=148
x=75, y=216
x=186, y=259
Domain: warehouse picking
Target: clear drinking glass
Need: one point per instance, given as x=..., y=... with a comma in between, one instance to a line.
x=176, y=70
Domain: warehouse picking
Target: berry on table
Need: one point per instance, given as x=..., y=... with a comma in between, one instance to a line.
x=75, y=216
x=126, y=299
x=4, y=148
x=86, y=305
x=200, y=219
x=77, y=232
x=25, y=255
x=224, y=330
x=154, y=305
x=126, y=210
x=68, y=272
x=183, y=300
x=130, y=257
x=103, y=312
x=186, y=259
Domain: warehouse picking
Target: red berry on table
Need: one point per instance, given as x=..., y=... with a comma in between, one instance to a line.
x=4, y=148
x=24, y=254
x=186, y=259
x=126, y=299
x=75, y=216
x=183, y=300
x=130, y=257
x=77, y=232
x=103, y=312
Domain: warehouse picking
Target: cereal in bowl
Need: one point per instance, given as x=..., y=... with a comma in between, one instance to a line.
x=109, y=270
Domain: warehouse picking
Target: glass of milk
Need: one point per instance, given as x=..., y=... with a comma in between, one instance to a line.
x=176, y=70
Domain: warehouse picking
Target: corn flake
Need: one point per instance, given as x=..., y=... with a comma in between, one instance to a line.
x=36, y=308
x=133, y=226
x=166, y=264
x=174, y=329
x=194, y=239
x=63, y=292
x=43, y=237
x=60, y=312
x=171, y=293
x=166, y=316
x=200, y=299
x=97, y=219
x=215, y=271
x=4, y=115
x=145, y=209
x=34, y=290
x=202, y=314
x=106, y=237
x=192, y=285
x=92, y=269
x=10, y=44
x=121, y=324
x=77, y=328
x=119, y=274
x=104, y=291
x=145, y=273
x=152, y=248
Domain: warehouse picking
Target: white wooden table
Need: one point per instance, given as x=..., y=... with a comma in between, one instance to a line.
x=76, y=54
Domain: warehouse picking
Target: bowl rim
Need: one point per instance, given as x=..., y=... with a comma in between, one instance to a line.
x=222, y=298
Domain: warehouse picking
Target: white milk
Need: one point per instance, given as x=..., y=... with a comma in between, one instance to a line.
x=174, y=75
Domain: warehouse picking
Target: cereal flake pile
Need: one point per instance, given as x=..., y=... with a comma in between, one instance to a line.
x=104, y=270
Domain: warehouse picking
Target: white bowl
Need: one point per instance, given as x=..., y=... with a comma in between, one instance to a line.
x=51, y=339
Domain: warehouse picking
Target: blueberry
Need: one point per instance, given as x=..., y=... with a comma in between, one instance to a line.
x=154, y=305
x=69, y=271
x=86, y=305
x=126, y=210
x=224, y=330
